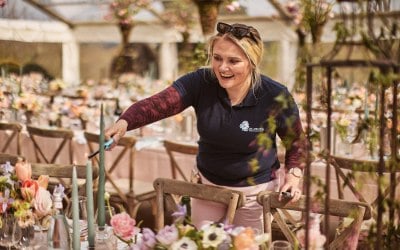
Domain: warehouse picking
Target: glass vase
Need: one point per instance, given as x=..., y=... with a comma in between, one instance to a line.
x=27, y=237
x=10, y=232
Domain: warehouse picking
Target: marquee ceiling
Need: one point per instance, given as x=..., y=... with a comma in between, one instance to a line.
x=74, y=12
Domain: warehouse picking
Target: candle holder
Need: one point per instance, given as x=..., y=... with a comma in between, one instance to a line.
x=105, y=238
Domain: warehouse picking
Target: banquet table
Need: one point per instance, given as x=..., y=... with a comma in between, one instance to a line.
x=152, y=161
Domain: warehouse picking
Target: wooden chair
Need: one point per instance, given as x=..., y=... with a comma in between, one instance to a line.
x=129, y=191
x=174, y=149
x=15, y=129
x=165, y=188
x=359, y=211
x=57, y=141
x=340, y=164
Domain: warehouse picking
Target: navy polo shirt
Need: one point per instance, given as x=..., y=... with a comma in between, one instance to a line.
x=228, y=133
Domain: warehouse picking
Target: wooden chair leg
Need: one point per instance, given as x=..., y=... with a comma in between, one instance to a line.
x=160, y=206
x=267, y=219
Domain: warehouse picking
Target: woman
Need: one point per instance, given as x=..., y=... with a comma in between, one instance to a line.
x=239, y=113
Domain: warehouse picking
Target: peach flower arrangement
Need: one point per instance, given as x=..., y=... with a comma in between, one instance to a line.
x=27, y=199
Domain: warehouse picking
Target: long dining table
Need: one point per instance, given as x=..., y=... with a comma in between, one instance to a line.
x=152, y=161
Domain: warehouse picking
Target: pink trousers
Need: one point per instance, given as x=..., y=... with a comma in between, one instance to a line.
x=250, y=215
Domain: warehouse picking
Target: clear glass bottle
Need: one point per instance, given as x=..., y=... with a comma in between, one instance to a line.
x=58, y=236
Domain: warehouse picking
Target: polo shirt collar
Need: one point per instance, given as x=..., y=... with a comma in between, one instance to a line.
x=250, y=99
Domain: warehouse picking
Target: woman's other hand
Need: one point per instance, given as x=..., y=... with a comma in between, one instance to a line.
x=116, y=131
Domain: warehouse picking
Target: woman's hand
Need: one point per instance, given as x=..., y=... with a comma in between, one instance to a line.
x=292, y=185
x=116, y=131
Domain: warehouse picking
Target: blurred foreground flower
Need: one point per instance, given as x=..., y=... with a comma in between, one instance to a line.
x=211, y=235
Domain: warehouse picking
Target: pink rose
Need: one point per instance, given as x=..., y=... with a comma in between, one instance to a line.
x=42, y=202
x=23, y=170
x=124, y=226
x=43, y=181
x=29, y=189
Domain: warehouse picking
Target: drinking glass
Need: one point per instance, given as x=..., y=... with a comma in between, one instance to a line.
x=10, y=232
x=110, y=212
x=82, y=217
x=281, y=245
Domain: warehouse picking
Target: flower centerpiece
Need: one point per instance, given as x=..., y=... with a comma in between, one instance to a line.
x=4, y=103
x=341, y=125
x=57, y=85
x=26, y=199
x=82, y=112
x=29, y=104
x=183, y=235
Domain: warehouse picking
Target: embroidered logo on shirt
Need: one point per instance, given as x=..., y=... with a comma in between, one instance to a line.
x=245, y=126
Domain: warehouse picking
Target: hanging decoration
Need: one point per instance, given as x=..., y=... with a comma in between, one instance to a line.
x=208, y=13
x=123, y=12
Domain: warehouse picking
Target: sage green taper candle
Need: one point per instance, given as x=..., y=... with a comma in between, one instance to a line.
x=89, y=203
x=101, y=220
x=76, y=231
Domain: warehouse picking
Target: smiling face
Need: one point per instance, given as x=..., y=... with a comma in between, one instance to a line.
x=232, y=68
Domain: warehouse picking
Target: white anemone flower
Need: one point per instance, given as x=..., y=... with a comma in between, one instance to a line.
x=213, y=236
x=185, y=243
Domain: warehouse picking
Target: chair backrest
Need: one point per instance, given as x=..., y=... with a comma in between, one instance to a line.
x=127, y=146
x=174, y=149
x=359, y=165
x=359, y=211
x=10, y=158
x=15, y=129
x=64, y=171
x=351, y=163
x=56, y=142
x=167, y=187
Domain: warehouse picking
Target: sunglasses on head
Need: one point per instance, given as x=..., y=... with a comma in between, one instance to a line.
x=237, y=30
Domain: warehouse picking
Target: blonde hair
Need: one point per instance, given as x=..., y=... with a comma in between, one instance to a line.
x=252, y=46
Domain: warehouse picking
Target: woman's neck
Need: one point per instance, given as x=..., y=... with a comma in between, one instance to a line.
x=237, y=95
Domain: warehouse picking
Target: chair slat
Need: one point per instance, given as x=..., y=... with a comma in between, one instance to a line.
x=15, y=135
x=174, y=148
